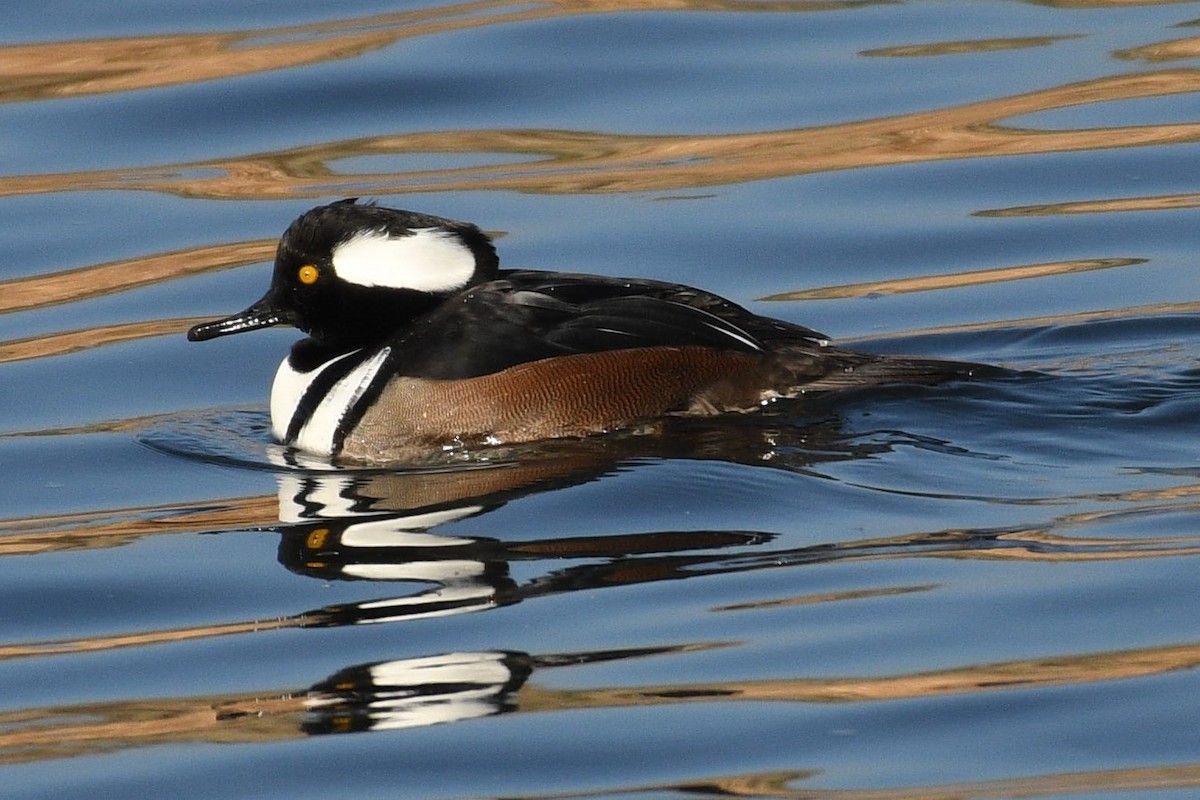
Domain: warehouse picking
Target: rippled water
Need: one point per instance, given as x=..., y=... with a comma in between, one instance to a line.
x=978, y=590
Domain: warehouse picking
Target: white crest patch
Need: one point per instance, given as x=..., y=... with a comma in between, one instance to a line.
x=427, y=260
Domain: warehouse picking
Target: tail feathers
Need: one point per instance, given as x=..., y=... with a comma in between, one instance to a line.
x=850, y=370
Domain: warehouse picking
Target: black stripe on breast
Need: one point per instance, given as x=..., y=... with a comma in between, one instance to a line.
x=316, y=392
x=353, y=414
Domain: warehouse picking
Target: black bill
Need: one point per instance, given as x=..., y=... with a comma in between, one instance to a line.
x=256, y=316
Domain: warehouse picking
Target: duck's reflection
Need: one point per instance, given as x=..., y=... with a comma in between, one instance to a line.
x=430, y=690
x=472, y=574
x=393, y=534
x=414, y=692
x=355, y=526
x=352, y=526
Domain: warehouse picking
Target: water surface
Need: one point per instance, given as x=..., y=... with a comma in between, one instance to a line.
x=983, y=589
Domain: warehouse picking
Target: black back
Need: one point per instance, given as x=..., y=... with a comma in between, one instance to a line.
x=527, y=315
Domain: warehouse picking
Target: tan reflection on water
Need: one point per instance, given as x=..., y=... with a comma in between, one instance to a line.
x=780, y=785
x=54, y=732
x=23, y=294
x=967, y=46
x=59, y=344
x=1057, y=541
x=956, y=280
x=1177, y=50
x=826, y=597
x=592, y=162
x=1129, y=312
x=96, y=66
x=69, y=286
x=1102, y=3
x=24, y=536
x=1058, y=671
x=1164, y=202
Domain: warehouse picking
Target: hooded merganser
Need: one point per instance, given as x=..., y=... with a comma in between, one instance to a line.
x=417, y=337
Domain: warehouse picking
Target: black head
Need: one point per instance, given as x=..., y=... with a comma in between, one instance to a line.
x=349, y=273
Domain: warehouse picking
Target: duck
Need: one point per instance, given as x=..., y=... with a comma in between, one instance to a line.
x=415, y=337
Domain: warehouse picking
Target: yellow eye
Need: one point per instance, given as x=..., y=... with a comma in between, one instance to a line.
x=308, y=274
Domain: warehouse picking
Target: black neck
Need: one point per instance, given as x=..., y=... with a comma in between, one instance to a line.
x=360, y=319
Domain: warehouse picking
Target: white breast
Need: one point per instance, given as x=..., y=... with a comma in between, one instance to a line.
x=317, y=434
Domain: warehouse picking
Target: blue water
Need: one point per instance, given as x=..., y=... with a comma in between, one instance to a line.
x=982, y=589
